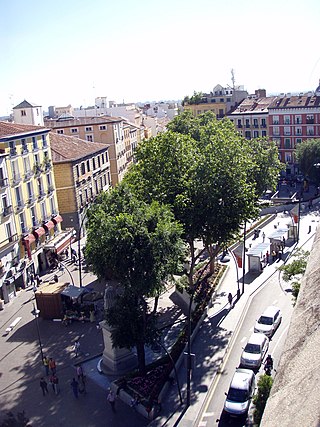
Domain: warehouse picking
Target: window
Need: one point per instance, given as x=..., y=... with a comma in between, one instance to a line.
x=30, y=191
x=255, y=123
x=74, y=130
x=88, y=165
x=287, y=130
x=287, y=143
x=23, y=113
x=310, y=131
x=277, y=141
x=288, y=157
x=239, y=123
x=37, y=110
x=83, y=169
x=89, y=129
x=247, y=123
x=221, y=112
x=298, y=130
x=89, y=138
x=107, y=157
x=310, y=119
x=263, y=123
x=264, y=133
x=275, y=120
x=297, y=120
x=256, y=134
x=213, y=100
x=77, y=171
x=22, y=221
x=228, y=99
x=221, y=99
x=33, y=216
x=43, y=211
x=60, y=131
x=247, y=134
x=34, y=143
x=99, y=162
x=298, y=140
x=103, y=127
x=287, y=120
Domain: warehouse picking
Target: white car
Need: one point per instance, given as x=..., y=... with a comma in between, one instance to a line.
x=240, y=393
x=269, y=321
x=254, y=352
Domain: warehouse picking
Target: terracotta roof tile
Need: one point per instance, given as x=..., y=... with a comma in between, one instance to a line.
x=66, y=148
x=11, y=129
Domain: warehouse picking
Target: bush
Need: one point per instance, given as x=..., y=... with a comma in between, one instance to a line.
x=260, y=399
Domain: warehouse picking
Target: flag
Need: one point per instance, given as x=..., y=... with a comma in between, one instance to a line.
x=238, y=253
x=295, y=213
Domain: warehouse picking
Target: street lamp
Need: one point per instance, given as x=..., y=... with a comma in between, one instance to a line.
x=36, y=312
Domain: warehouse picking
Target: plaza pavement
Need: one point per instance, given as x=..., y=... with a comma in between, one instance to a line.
x=20, y=367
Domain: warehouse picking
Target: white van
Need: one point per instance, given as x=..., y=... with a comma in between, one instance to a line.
x=240, y=393
x=254, y=352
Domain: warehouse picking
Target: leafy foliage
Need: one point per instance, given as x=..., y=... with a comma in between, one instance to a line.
x=308, y=155
x=260, y=399
x=293, y=271
x=139, y=246
x=196, y=98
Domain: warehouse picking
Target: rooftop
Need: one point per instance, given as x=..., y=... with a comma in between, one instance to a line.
x=56, y=123
x=66, y=148
x=8, y=129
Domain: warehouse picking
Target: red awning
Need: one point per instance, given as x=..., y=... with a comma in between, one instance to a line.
x=57, y=219
x=64, y=245
x=29, y=238
x=39, y=232
x=49, y=225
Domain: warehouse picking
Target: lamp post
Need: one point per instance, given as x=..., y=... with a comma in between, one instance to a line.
x=36, y=312
x=79, y=242
x=244, y=255
x=64, y=267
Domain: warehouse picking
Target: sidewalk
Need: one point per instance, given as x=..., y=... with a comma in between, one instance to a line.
x=216, y=333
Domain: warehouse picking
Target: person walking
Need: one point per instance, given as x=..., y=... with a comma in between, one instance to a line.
x=75, y=387
x=230, y=299
x=263, y=236
x=38, y=280
x=77, y=348
x=52, y=366
x=80, y=373
x=112, y=400
x=46, y=365
x=55, y=384
x=44, y=386
x=56, y=278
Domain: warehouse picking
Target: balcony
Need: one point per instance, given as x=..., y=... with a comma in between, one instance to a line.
x=256, y=125
x=310, y=121
x=41, y=195
x=275, y=122
x=31, y=200
x=13, y=152
x=239, y=125
x=19, y=206
x=24, y=150
x=50, y=189
x=35, y=148
x=7, y=210
x=247, y=125
x=27, y=175
x=263, y=125
x=15, y=179
x=37, y=169
x=4, y=182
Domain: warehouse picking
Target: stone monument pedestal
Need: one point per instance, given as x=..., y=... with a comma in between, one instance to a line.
x=115, y=361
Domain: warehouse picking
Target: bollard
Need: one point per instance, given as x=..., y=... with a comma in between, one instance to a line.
x=309, y=229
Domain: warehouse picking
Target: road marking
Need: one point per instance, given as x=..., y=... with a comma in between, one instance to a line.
x=243, y=339
x=275, y=302
x=202, y=424
x=279, y=339
x=208, y=414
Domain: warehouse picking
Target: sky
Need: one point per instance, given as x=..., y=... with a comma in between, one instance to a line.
x=69, y=52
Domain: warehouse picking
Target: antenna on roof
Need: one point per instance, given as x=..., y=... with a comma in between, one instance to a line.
x=233, y=79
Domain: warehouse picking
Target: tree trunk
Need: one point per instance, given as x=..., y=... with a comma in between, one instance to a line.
x=141, y=358
x=155, y=305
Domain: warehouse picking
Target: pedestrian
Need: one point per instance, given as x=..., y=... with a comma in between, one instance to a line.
x=46, y=365
x=263, y=236
x=38, y=280
x=230, y=299
x=51, y=380
x=52, y=366
x=44, y=386
x=66, y=253
x=283, y=242
x=55, y=278
x=267, y=257
x=32, y=279
x=111, y=399
x=274, y=255
x=55, y=384
x=75, y=387
x=98, y=327
x=80, y=373
x=77, y=348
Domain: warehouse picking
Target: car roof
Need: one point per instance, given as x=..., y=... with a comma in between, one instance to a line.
x=241, y=379
x=257, y=338
x=270, y=311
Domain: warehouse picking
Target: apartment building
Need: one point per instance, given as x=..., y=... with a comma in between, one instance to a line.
x=104, y=130
x=251, y=116
x=9, y=246
x=220, y=101
x=29, y=193
x=82, y=171
x=292, y=120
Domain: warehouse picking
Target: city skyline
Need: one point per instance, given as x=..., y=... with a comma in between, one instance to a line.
x=72, y=52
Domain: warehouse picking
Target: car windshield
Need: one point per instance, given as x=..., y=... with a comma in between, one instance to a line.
x=265, y=320
x=236, y=395
x=252, y=348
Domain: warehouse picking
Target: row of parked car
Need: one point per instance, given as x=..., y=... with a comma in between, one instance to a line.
x=242, y=386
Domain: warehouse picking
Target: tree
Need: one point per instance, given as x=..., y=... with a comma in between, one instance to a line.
x=196, y=98
x=260, y=399
x=308, y=157
x=293, y=271
x=139, y=246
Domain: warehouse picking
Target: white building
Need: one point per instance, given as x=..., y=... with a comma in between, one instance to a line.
x=27, y=113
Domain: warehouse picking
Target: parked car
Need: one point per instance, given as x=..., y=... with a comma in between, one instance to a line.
x=240, y=393
x=254, y=352
x=269, y=321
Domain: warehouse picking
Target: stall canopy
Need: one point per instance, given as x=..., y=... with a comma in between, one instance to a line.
x=279, y=234
x=259, y=250
x=73, y=292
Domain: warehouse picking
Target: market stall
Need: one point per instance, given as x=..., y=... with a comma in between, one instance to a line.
x=258, y=257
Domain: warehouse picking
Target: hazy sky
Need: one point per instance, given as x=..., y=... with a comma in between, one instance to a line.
x=70, y=51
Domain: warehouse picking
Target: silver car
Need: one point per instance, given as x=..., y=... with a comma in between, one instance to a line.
x=254, y=352
x=269, y=321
